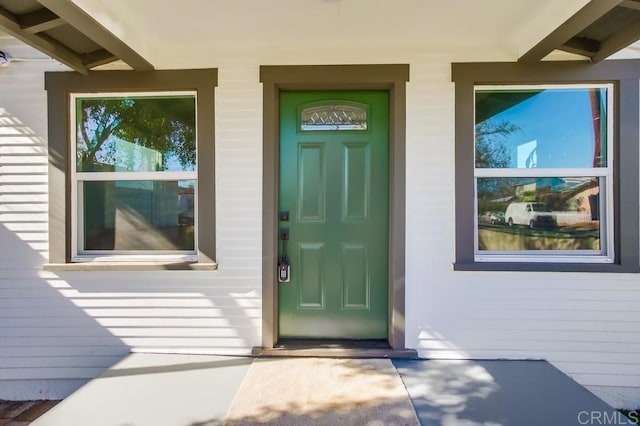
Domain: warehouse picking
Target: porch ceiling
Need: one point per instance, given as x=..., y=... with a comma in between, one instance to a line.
x=190, y=33
x=66, y=33
x=598, y=30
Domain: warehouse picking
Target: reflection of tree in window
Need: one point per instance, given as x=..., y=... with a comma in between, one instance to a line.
x=492, y=152
x=491, y=148
x=110, y=130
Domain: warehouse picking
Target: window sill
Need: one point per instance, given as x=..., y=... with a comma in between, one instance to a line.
x=544, y=267
x=131, y=266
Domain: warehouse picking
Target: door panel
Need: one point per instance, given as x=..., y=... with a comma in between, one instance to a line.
x=356, y=181
x=355, y=278
x=334, y=184
x=311, y=178
x=311, y=276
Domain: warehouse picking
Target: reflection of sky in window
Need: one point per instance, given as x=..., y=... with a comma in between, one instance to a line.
x=559, y=121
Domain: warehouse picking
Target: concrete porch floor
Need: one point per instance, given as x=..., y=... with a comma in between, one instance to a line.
x=194, y=390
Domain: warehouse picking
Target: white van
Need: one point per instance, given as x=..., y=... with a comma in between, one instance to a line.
x=534, y=215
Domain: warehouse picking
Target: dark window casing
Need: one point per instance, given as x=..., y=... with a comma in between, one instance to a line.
x=59, y=86
x=624, y=75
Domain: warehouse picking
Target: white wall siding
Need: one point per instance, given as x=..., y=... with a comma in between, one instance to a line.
x=71, y=325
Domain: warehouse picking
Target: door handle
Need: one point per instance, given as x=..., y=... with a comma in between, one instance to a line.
x=284, y=267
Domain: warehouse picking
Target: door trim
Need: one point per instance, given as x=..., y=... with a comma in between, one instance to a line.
x=392, y=78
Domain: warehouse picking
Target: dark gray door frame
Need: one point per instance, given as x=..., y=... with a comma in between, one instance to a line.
x=392, y=78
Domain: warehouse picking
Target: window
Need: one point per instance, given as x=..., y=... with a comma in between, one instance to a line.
x=131, y=170
x=557, y=146
x=544, y=173
x=334, y=116
x=134, y=183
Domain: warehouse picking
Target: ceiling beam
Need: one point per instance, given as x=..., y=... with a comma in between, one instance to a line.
x=629, y=35
x=581, y=46
x=87, y=25
x=631, y=4
x=586, y=16
x=9, y=23
x=97, y=58
x=39, y=21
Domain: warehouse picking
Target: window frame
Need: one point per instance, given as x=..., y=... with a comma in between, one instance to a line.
x=607, y=253
x=624, y=75
x=62, y=90
x=78, y=252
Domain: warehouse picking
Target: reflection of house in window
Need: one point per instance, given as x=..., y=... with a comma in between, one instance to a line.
x=582, y=197
x=186, y=207
x=537, y=189
x=527, y=155
x=573, y=200
x=133, y=157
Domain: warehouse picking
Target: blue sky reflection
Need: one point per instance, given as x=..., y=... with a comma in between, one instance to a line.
x=553, y=128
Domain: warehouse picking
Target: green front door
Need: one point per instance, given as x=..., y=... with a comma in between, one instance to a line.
x=334, y=184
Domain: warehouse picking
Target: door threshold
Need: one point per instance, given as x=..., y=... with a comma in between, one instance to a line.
x=332, y=348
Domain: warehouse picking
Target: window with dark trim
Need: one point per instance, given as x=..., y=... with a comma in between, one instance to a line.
x=131, y=173
x=546, y=166
x=544, y=173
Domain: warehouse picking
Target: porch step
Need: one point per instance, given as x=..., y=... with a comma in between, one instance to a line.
x=323, y=348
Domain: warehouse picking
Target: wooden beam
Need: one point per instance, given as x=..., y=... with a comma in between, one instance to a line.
x=631, y=4
x=586, y=16
x=9, y=23
x=628, y=35
x=39, y=21
x=581, y=46
x=87, y=25
x=97, y=58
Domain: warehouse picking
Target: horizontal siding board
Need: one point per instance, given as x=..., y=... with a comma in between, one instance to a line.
x=240, y=322
x=606, y=380
x=24, y=160
x=137, y=312
x=536, y=348
x=37, y=354
x=551, y=326
x=20, y=342
x=228, y=330
x=30, y=303
x=50, y=373
x=59, y=361
x=20, y=292
x=517, y=336
x=609, y=367
x=203, y=342
x=24, y=217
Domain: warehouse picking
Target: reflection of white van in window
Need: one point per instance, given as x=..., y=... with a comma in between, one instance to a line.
x=534, y=215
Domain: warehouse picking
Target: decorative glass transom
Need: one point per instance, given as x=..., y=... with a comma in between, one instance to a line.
x=334, y=117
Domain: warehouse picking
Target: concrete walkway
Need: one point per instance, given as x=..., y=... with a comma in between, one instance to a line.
x=191, y=390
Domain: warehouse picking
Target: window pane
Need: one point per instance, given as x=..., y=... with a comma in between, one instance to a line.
x=139, y=215
x=539, y=213
x=541, y=128
x=334, y=117
x=136, y=134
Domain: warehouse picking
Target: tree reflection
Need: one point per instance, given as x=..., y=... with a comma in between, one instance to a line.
x=492, y=152
x=165, y=125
